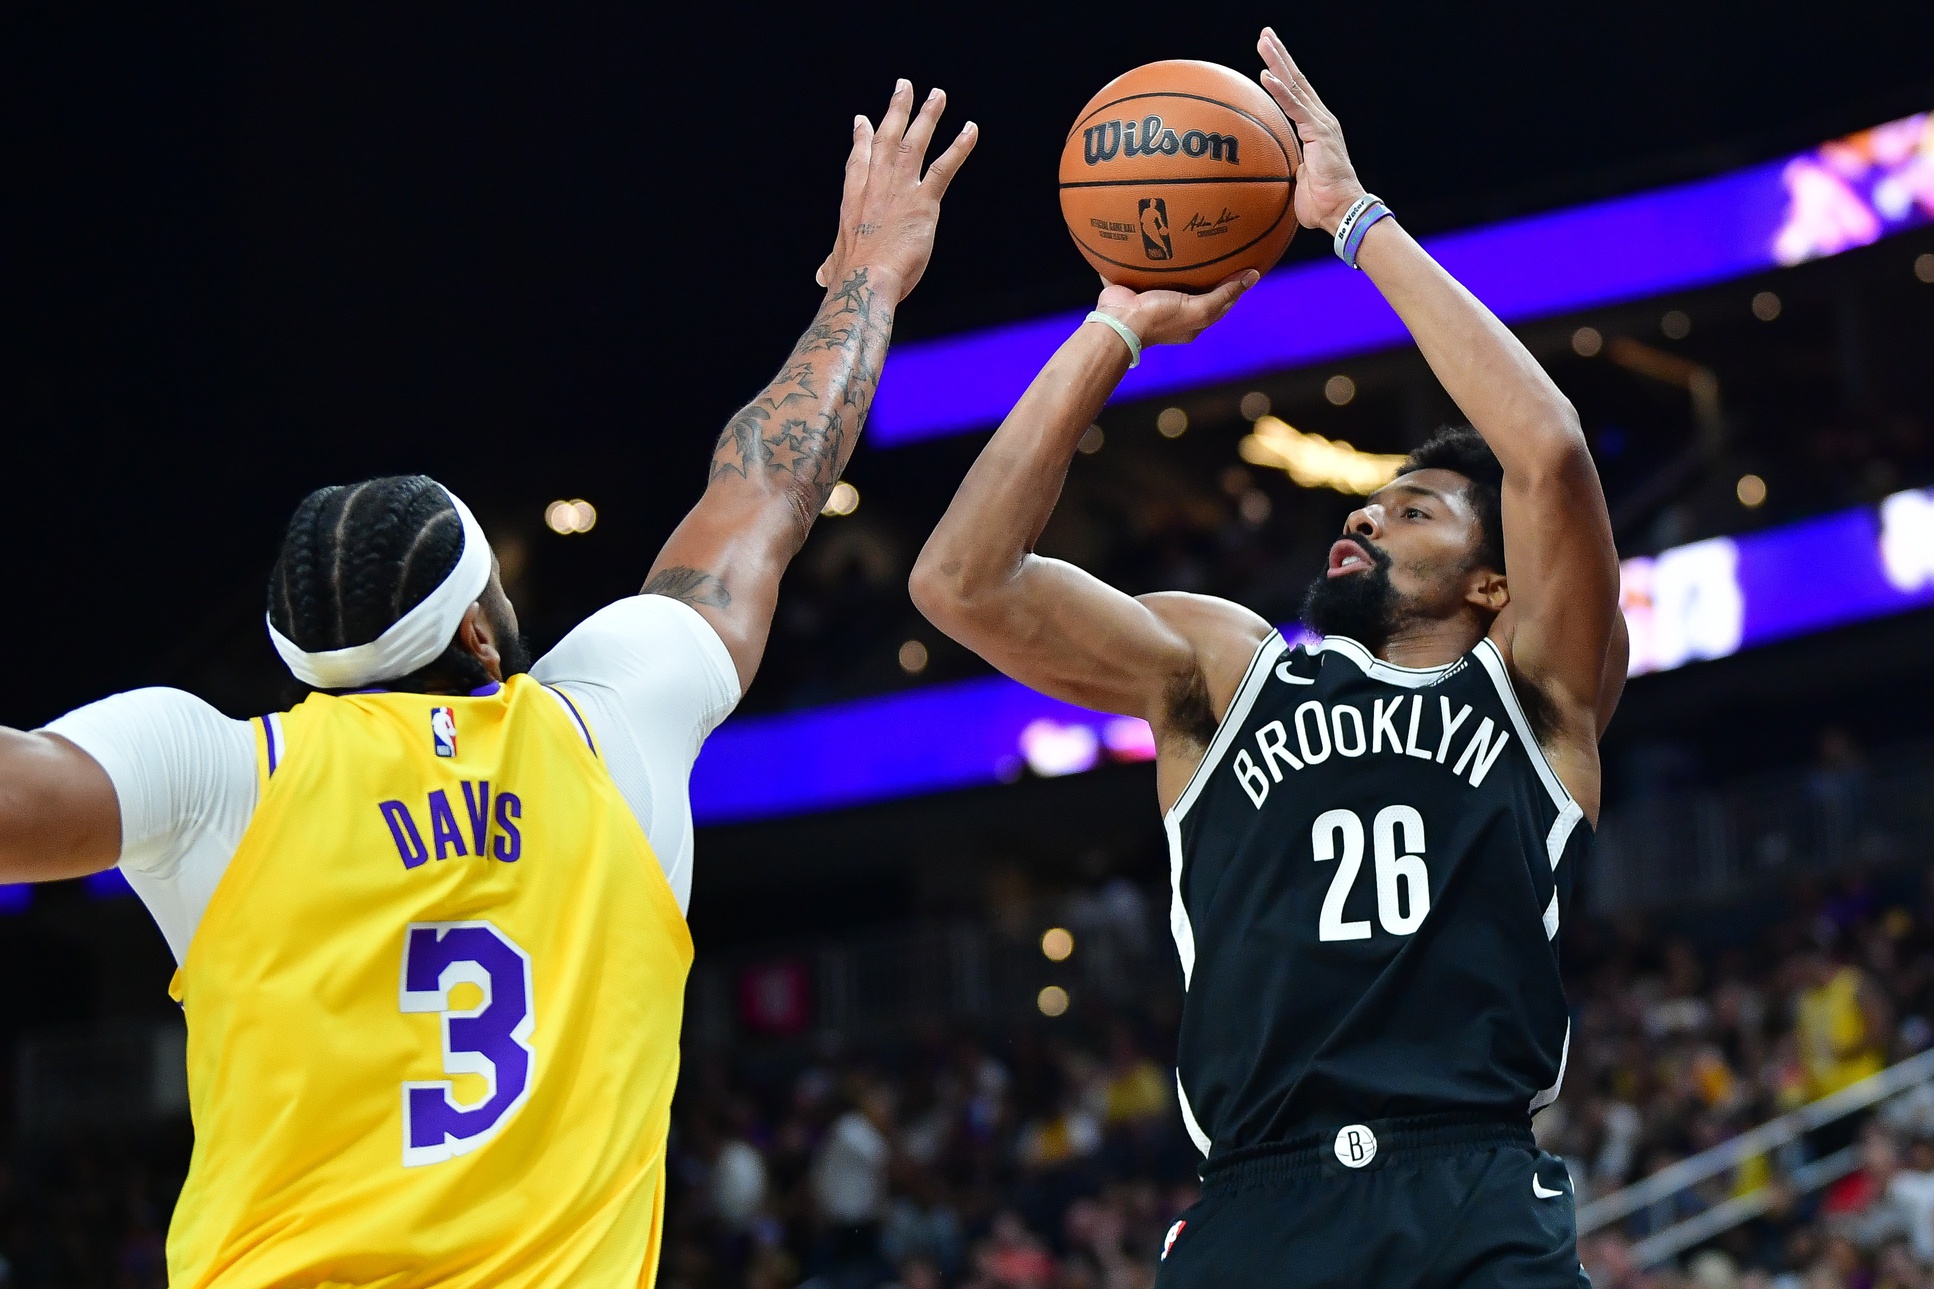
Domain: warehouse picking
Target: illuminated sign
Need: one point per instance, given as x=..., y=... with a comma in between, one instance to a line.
x=1705, y=600
x=1840, y=195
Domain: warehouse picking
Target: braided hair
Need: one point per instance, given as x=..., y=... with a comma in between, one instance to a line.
x=358, y=557
x=1462, y=450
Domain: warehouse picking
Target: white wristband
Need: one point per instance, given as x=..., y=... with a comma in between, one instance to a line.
x=1123, y=330
x=1350, y=217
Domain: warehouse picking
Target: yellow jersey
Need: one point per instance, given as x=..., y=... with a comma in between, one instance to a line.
x=433, y=1009
x=1835, y=1046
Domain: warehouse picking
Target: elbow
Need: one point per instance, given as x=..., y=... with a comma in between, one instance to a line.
x=952, y=589
x=1562, y=454
x=937, y=589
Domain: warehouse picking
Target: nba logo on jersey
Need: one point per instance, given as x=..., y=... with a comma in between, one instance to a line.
x=443, y=730
x=1168, y=1241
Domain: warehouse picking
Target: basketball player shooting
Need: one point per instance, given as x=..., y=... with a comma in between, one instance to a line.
x=430, y=923
x=1372, y=838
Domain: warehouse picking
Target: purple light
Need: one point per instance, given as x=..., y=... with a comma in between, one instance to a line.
x=108, y=884
x=1706, y=600
x=15, y=898
x=1840, y=195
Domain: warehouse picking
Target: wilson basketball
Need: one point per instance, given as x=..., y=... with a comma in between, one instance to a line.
x=1179, y=174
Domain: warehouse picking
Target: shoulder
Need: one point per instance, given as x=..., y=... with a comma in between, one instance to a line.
x=154, y=720
x=178, y=765
x=1223, y=637
x=642, y=636
x=661, y=666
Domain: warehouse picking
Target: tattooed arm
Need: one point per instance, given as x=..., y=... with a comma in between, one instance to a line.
x=782, y=454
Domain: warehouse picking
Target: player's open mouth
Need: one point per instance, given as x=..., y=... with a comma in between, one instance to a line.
x=1348, y=557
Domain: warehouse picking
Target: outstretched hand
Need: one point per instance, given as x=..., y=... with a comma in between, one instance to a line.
x=1173, y=317
x=1326, y=182
x=889, y=211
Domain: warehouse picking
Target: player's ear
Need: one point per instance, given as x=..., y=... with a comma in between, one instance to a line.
x=476, y=637
x=1488, y=590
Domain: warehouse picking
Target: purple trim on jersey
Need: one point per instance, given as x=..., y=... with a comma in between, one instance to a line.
x=482, y=691
x=576, y=716
x=268, y=734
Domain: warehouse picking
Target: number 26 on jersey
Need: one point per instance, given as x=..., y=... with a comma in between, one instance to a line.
x=1403, y=882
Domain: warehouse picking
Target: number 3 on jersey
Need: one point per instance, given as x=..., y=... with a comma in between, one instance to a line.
x=491, y=1039
x=1403, y=883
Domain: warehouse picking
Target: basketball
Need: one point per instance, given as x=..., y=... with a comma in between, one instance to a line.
x=1179, y=174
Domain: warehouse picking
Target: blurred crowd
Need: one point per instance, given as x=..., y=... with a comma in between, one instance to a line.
x=979, y=1153
x=1053, y=1155
x=1036, y=1159
x=1679, y=1050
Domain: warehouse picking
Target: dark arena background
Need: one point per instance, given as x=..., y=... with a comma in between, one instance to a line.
x=930, y=1033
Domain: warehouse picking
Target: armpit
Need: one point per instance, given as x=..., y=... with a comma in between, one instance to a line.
x=1188, y=710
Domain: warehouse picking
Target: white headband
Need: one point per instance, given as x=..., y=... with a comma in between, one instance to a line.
x=414, y=640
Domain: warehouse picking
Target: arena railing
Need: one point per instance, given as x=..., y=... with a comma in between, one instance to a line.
x=1661, y=1188
x=1760, y=833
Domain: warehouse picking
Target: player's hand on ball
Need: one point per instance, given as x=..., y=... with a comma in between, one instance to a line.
x=1326, y=183
x=1173, y=317
x=889, y=210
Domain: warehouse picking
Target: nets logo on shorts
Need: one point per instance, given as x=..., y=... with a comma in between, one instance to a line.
x=443, y=730
x=1356, y=1146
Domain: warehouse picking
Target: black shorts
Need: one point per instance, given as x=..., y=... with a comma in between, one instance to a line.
x=1442, y=1200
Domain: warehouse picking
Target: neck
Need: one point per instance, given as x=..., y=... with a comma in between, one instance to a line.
x=1431, y=642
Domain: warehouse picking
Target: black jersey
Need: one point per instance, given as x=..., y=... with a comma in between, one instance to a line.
x=1369, y=868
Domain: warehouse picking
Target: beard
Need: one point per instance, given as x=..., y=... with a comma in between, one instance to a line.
x=1363, y=606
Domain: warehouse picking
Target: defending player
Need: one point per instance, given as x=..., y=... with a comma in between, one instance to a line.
x=431, y=921
x=1371, y=839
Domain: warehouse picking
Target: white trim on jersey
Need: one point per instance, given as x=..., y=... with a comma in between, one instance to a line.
x=1199, y=1137
x=1272, y=647
x=1179, y=926
x=1551, y=916
x=1568, y=819
x=1550, y=1094
x=1377, y=669
x=1487, y=653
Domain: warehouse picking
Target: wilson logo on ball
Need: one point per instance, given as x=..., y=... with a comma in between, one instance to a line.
x=1148, y=137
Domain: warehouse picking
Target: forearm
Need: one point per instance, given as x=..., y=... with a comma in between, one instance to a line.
x=1506, y=394
x=773, y=468
x=1010, y=493
x=786, y=449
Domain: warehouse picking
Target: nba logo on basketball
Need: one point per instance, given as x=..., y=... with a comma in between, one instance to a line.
x=1155, y=242
x=443, y=730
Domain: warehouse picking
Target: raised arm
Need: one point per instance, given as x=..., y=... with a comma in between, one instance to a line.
x=779, y=458
x=1562, y=567
x=1172, y=659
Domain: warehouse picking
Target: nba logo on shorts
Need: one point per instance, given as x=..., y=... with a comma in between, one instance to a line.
x=443, y=730
x=1168, y=1241
x=1155, y=241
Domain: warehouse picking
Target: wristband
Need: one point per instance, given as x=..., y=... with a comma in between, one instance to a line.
x=1126, y=332
x=1364, y=212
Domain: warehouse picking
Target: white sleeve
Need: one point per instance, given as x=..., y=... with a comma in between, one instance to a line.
x=184, y=776
x=654, y=679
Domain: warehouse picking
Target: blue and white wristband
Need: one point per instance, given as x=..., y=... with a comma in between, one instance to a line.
x=1126, y=332
x=1364, y=212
